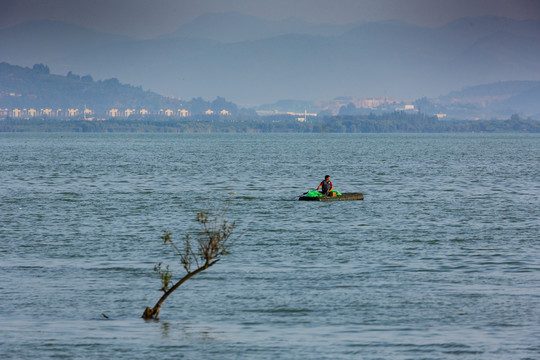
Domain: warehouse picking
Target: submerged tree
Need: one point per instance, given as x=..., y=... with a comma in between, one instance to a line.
x=213, y=243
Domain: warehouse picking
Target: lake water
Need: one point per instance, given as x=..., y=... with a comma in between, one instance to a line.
x=440, y=261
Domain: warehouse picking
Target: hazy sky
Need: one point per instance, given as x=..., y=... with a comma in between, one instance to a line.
x=146, y=18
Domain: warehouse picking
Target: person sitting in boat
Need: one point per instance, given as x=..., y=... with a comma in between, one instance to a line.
x=326, y=185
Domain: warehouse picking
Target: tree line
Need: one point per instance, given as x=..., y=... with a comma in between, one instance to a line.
x=397, y=122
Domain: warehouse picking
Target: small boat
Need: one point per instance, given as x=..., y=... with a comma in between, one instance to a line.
x=335, y=197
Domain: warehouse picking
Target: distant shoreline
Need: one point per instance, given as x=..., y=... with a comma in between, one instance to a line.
x=344, y=124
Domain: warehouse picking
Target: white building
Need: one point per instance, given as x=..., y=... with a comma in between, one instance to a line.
x=183, y=113
x=72, y=112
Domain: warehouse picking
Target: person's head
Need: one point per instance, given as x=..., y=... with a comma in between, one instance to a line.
x=326, y=177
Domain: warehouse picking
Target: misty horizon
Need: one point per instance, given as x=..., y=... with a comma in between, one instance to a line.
x=259, y=55
x=143, y=20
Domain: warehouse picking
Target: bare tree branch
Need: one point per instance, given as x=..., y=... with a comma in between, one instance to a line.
x=213, y=243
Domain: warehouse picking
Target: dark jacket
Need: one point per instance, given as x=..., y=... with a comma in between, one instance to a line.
x=325, y=186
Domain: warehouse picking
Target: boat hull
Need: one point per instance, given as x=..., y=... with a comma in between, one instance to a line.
x=343, y=197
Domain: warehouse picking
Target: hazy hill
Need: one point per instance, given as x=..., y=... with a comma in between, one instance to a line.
x=22, y=87
x=236, y=27
x=489, y=93
x=474, y=29
x=526, y=103
x=47, y=41
x=498, y=99
x=254, y=61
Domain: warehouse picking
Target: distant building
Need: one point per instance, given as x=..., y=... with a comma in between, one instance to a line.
x=113, y=113
x=129, y=112
x=440, y=116
x=144, y=112
x=208, y=112
x=72, y=112
x=267, y=112
x=87, y=114
x=183, y=113
x=32, y=112
x=304, y=114
x=16, y=113
x=169, y=112
x=225, y=112
x=407, y=108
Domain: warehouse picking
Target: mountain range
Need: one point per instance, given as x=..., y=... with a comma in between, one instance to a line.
x=236, y=27
x=252, y=61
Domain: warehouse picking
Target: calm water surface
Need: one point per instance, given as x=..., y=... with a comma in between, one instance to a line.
x=440, y=261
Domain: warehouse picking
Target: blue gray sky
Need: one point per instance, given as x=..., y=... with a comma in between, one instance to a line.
x=148, y=18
